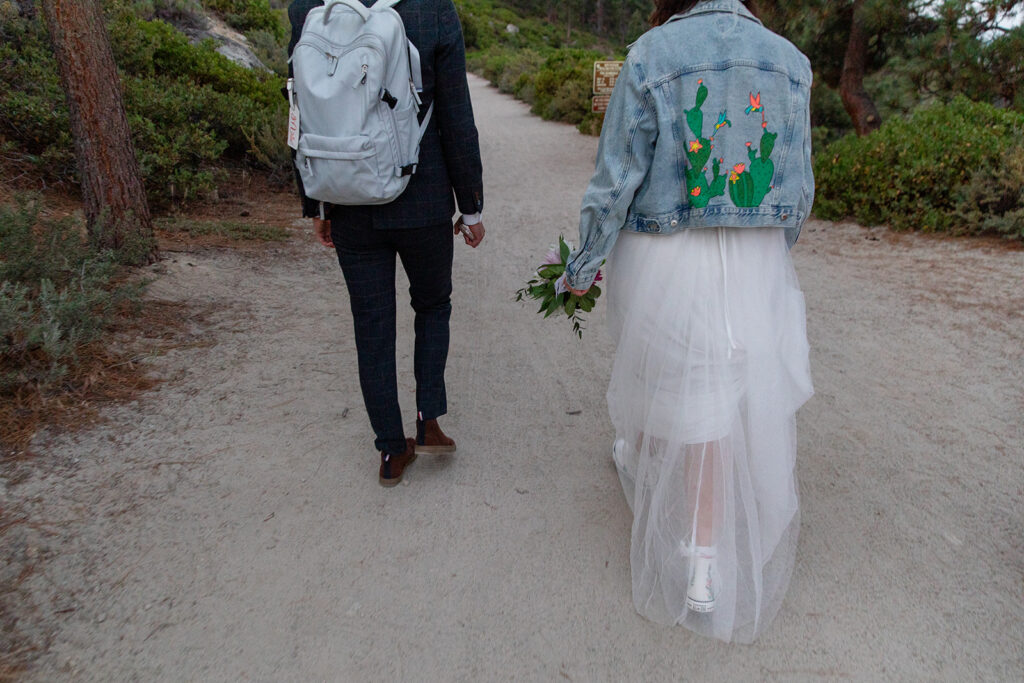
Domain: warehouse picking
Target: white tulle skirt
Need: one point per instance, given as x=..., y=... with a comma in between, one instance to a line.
x=710, y=368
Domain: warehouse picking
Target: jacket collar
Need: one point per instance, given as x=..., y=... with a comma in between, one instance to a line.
x=722, y=6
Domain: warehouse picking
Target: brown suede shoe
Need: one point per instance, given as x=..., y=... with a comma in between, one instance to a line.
x=430, y=440
x=392, y=466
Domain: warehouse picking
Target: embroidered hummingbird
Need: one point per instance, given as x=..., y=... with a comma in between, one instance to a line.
x=722, y=121
x=755, y=104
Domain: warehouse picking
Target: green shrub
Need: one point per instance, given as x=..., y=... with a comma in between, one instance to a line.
x=556, y=83
x=952, y=168
x=57, y=293
x=190, y=109
x=270, y=50
x=184, y=11
x=993, y=200
x=564, y=84
x=249, y=15
x=269, y=149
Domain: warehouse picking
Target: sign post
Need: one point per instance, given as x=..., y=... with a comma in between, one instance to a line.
x=605, y=75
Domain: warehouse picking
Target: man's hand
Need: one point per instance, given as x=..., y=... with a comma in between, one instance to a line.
x=322, y=228
x=475, y=235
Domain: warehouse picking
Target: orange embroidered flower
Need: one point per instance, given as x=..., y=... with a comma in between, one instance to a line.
x=695, y=192
x=695, y=146
x=736, y=171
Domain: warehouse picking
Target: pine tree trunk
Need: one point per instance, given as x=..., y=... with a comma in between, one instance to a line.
x=856, y=100
x=599, y=10
x=116, y=211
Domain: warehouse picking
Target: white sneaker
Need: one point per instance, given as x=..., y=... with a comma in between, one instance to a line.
x=703, y=588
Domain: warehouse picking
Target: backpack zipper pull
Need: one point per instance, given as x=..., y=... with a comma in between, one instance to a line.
x=334, y=64
x=365, y=69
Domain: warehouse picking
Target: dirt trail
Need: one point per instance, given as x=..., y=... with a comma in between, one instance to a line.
x=229, y=526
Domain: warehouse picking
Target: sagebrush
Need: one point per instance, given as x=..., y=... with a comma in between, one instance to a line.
x=58, y=293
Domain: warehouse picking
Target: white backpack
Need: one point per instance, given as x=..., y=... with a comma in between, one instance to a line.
x=354, y=104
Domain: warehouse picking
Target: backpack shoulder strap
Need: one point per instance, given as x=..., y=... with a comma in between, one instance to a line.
x=426, y=121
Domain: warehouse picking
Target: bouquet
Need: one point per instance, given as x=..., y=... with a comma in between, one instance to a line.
x=544, y=288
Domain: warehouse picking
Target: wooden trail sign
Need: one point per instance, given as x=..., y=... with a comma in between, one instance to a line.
x=605, y=75
x=600, y=103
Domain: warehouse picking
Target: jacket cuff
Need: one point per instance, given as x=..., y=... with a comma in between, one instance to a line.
x=311, y=208
x=470, y=201
x=581, y=278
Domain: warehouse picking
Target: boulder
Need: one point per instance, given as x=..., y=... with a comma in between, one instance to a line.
x=231, y=43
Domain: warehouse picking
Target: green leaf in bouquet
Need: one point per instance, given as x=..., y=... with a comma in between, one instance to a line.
x=537, y=291
x=595, y=291
x=563, y=249
x=587, y=304
x=570, y=305
x=551, y=272
x=555, y=304
x=546, y=302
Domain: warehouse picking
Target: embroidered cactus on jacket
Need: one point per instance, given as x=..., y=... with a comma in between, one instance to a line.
x=749, y=182
x=698, y=152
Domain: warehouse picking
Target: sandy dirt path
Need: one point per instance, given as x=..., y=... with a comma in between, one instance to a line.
x=229, y=526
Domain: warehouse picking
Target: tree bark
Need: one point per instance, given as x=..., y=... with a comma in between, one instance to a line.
x=599, y=10
x=856, y=100
x=116, y=212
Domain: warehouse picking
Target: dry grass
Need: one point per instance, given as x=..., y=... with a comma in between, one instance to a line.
x=251, y=213
x=112, y=369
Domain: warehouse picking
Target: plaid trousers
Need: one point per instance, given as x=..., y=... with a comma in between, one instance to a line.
x=367, y=257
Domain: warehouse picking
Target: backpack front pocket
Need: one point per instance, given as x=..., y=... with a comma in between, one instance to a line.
x=341, y=170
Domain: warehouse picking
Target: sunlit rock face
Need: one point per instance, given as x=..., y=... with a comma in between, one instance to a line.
x=230, y=42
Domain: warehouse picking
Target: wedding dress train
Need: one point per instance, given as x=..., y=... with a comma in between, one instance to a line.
x=710, y=368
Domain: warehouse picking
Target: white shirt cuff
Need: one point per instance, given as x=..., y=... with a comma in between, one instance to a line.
x=471, y=218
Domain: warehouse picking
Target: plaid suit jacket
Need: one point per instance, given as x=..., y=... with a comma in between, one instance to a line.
x=450, y=150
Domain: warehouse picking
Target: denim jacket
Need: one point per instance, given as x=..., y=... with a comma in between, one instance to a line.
x=708, y=125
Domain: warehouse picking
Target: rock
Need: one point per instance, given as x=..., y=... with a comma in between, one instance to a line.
x=512, y=28
x=232, y=44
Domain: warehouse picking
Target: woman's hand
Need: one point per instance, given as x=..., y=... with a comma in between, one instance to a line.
x=577, y=292
x=322, y=228
x=561, y=286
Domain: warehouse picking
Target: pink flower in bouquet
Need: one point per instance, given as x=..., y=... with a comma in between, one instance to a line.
x=552, y=258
